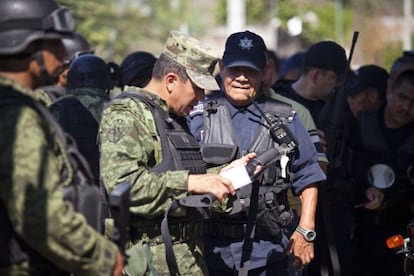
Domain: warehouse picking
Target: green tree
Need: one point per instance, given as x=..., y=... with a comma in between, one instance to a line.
x=116, y=28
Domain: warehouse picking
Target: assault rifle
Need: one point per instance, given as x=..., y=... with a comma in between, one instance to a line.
x=336, y=143
x=119, y=201
x=335, y=130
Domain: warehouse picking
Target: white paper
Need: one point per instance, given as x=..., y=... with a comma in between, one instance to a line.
x=238, y=176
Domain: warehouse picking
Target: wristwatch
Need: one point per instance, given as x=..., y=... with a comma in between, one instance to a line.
x=309, y=235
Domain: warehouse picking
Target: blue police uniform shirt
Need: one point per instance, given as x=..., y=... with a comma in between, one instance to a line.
x=306, y=171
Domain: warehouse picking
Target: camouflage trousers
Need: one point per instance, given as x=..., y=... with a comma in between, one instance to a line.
x=190, y=260
x=187, y=246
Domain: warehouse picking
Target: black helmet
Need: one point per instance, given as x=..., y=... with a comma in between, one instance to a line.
x=24, y=21
x=89, y=71
x=76, y=46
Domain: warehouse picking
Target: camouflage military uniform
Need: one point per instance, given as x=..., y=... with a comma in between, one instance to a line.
x=129, y=146
x=31, y=159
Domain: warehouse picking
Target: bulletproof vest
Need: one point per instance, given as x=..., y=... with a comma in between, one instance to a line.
x=75, y=177
x=76, y=120
x=268, y=202
x=180, y=150
x=220, y=143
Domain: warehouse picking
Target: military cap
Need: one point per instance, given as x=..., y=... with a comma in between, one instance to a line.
x=198, y=59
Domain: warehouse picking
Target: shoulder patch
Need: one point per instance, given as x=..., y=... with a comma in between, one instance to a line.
x=117, y=129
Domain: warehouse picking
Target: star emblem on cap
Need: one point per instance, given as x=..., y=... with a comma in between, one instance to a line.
x=246, y=43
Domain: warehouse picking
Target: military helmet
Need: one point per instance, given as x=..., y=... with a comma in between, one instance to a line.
x=24, y=21
x=89, y=71
x=75, y=46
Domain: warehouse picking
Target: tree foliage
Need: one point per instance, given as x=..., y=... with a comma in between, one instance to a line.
x=115, y=28
x=357, y=15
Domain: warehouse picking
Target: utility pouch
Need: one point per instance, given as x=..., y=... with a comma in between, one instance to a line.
x=84, y=195
x=271, y=217
x=139, y=261
x=217, y=154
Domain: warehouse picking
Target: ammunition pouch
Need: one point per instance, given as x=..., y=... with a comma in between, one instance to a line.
x=218, y=154
x=139, y=261
x=82, y=192
x=271, y=217
x=86, y=200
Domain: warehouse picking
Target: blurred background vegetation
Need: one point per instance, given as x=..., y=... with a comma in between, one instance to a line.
x=117, y=27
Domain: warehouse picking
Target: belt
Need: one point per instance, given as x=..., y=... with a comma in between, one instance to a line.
x=180, y=233
x=233, y=231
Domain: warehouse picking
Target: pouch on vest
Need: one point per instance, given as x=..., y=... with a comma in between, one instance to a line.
x=218, y=154
x=86, y=200
x=82, y=192
x=271, y=217
x=139, y=261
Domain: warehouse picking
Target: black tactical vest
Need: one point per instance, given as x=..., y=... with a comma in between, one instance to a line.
x=220, y=143
x=180, y=149
x=220, y=146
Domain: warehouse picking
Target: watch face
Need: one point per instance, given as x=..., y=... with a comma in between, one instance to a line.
x=310, y=235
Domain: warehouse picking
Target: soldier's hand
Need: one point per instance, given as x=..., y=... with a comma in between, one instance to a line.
x=214, y=184
x=119, y=265
x=241, y=161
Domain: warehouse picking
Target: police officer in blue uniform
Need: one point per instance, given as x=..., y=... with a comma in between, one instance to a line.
x=240, y=119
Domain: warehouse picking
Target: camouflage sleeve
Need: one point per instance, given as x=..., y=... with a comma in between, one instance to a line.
x=30, y=163
x=130, y=147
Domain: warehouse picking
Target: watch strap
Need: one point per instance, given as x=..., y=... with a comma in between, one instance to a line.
x=304, y=232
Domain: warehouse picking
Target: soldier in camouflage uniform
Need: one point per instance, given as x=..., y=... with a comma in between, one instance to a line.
x=40, y=233
x=79, y=111
x=133, y=149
